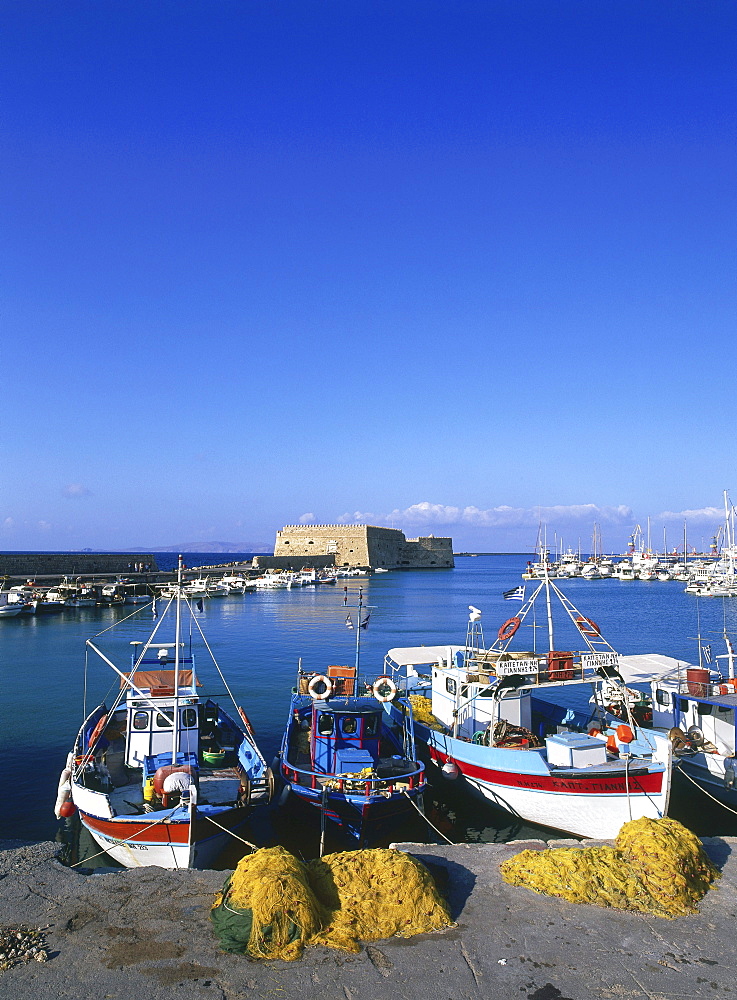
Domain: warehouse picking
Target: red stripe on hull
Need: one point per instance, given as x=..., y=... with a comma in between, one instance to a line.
x=595, y=784
x=164, y=833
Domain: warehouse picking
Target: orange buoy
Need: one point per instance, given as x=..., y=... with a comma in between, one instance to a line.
x=625, y=734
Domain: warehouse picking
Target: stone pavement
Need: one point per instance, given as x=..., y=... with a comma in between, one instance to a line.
x=146, y=934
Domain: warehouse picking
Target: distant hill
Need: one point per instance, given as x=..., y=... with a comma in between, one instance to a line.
x=205, y=547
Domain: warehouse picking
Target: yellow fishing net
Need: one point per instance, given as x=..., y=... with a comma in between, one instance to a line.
x=422, y=712
x=273, y=905
x=375, y=894
x=656, y=866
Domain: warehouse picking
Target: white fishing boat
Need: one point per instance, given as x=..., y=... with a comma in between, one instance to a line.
x=8, y=608
x=165, y=775
x=695, y=705
x=491, y=725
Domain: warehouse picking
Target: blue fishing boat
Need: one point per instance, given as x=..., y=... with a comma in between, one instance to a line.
x=344, y=755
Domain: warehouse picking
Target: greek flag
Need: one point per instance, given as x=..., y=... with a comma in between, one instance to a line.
x=348, y=622
x=517, y=594
x=153, y=609
x=364, y=623
x=707, y=653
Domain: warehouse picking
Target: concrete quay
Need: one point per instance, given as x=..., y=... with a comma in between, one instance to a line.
x=146, y=933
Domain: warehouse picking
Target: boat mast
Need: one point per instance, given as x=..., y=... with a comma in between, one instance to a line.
x=550, y=610
x=175, y=713
x=358, y=630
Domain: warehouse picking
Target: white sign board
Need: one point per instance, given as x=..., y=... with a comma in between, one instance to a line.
x=507, y=667
x=600, y=660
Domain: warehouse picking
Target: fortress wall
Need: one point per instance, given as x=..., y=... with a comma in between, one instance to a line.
x=363, y=545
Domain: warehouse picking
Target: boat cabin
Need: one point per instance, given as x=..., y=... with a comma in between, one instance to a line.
x=345, y=734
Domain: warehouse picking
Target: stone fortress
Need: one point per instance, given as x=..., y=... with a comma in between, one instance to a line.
x=359, y=545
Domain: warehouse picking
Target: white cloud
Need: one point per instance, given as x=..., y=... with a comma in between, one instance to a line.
x=361, y=517
x=307, y=518
x=75, y=490
x=45, y=525
x=700, y=514
x=9, y=523
x=504, y=516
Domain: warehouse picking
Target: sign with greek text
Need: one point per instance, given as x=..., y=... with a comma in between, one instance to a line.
x=600, y=660
x=507, y=667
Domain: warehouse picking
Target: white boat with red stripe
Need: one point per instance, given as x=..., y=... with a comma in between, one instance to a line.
x=505, y=729
x=164, y=776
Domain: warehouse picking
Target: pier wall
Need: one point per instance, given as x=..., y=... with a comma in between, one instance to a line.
x=32, y=564
x=363, y=545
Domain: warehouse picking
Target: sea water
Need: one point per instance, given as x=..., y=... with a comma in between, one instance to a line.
x=50, y=680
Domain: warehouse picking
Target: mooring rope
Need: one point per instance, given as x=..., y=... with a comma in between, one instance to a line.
x=415, y=806
x=718, y=801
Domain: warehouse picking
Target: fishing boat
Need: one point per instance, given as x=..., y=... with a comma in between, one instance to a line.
x=343, y=754
x=695, y=705
x=164, y=776
x=530, y=731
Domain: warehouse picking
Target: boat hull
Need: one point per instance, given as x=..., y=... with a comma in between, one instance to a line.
x=587, y=802
x=186, y=842
x=361, y=818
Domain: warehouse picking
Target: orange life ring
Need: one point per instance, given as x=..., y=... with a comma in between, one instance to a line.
x=97, y=733
x=381, y=683
x=312, y=687
x=587, y=627
x=507, y=630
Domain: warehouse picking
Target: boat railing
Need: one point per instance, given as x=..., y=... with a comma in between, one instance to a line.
x=353, y=784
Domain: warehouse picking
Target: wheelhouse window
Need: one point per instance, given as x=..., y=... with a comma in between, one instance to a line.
x=140, y=720
x=349, y=726
x=662, y=697
x=450, y=685
x=371, y=725
x=189, y=718
x=162, y=722
x=325, y=724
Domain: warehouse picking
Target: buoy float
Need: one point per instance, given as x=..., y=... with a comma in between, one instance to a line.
x=450, y=770
x=67, y=809
x=625, y=734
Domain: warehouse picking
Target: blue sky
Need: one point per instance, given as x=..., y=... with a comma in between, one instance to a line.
x=456, y=267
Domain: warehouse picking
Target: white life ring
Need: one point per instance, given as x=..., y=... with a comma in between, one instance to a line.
x=384, y=682
x=314, y=682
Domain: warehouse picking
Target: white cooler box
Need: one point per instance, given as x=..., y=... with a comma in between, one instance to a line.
x=575, y=750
